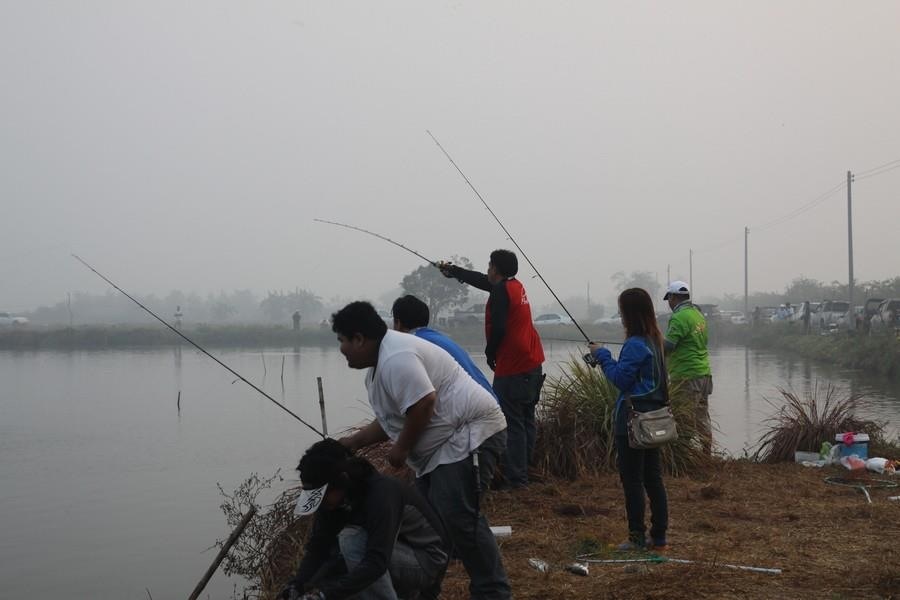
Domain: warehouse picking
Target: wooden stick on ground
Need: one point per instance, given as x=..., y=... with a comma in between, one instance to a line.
x=223, y=552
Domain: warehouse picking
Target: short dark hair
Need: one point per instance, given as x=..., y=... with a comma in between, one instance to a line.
x=322, y=462
x=359, y=317
x=505, y=262
x=329, y=461
x=411, y=312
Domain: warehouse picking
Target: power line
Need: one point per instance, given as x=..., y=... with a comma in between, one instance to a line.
x=866, y=172
x=881, y=172
x=800, y=209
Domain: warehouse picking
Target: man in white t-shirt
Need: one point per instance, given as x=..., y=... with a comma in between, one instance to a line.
x=444, y=425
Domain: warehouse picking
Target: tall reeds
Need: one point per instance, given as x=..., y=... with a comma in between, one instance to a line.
x=575, y=427
x=803, y=423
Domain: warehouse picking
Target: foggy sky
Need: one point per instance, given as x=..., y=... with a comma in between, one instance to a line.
x=190, y=145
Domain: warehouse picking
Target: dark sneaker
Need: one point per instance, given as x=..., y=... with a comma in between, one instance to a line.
x=632, y=545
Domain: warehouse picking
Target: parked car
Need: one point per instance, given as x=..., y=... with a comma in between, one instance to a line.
x=552, y=319
x=887, y=319
x=728, y=315
x=828, y=313
x=616, y=319
x=8, y=320
x=473, y=315
x=870, y=309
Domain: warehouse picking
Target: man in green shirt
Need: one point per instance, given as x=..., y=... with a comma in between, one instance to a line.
x=688, y=358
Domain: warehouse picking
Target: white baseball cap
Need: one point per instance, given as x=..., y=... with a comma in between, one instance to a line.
x=309, y=500
x=677, y=288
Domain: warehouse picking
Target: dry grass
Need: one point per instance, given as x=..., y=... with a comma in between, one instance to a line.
x=829, y=542
x=803, y=423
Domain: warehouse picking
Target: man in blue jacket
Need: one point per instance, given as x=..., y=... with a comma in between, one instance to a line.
x=411, y=315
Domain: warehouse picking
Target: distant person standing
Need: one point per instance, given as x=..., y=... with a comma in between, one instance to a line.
x=178, y=316
x=686, y=344
x=296, y=318
x=411, y=315
x=514, y=353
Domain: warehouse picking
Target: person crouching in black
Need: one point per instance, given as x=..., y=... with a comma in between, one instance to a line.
x=374, y=537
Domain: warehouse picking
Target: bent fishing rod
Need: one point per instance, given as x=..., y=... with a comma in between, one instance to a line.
x=196, y=345
x=380, y=237
x=509, y=235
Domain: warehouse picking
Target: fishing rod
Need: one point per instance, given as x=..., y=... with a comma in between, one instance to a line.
x=379, y=236
x=196, y=345
x=605, y=342
x=509, y=235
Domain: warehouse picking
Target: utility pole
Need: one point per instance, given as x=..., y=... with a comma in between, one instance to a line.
x=691, y=273
x=746, y=277
x=851, y=312
x=588, y=299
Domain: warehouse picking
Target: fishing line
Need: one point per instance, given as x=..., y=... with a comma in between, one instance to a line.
x=509, y=235
x=196, y=345
x=579, y=341
x=379, y=236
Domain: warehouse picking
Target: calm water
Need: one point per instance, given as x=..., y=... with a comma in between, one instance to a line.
x=106, y=490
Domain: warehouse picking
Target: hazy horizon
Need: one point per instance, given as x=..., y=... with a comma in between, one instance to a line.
x=190, y=147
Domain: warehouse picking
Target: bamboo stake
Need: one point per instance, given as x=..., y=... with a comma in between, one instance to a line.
x=223, y=552
x=322, y=406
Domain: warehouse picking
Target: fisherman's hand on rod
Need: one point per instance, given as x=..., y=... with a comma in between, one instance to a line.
x=445, y=267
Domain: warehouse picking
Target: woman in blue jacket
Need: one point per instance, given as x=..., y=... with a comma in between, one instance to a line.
x=639, y=374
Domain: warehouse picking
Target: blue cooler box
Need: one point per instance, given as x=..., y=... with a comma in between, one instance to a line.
x=859, y=447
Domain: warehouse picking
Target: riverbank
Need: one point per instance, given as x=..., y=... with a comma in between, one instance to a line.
x=874, y=354
x=827, y=540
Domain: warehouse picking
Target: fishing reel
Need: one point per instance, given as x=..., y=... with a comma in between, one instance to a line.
x=590, y=360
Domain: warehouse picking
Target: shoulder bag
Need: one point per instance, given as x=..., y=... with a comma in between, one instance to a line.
x=654, y=428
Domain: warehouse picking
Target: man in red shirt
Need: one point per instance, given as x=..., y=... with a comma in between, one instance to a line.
x=514, y=353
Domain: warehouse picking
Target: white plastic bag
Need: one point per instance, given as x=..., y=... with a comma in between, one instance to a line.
x=880, y=465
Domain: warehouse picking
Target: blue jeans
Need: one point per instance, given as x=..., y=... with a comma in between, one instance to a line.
x=641, y=470
x=519, y=395
x=403, y=577
x=453, y=492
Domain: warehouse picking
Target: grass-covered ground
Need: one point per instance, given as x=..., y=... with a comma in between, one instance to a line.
x=828, y=540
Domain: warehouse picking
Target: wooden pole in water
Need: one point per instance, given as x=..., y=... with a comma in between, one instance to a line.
x=322, y=406
x=222, y=553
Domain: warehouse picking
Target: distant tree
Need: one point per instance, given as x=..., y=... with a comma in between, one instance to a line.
x=804, y=288
x=221, y=310
x=437, y=291
x=278, y=306
x=639, y=279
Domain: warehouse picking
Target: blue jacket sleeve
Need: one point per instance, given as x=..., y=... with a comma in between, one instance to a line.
x=625, y=372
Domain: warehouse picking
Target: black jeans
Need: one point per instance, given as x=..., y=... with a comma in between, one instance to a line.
x=519, y=395
x=641, y=470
